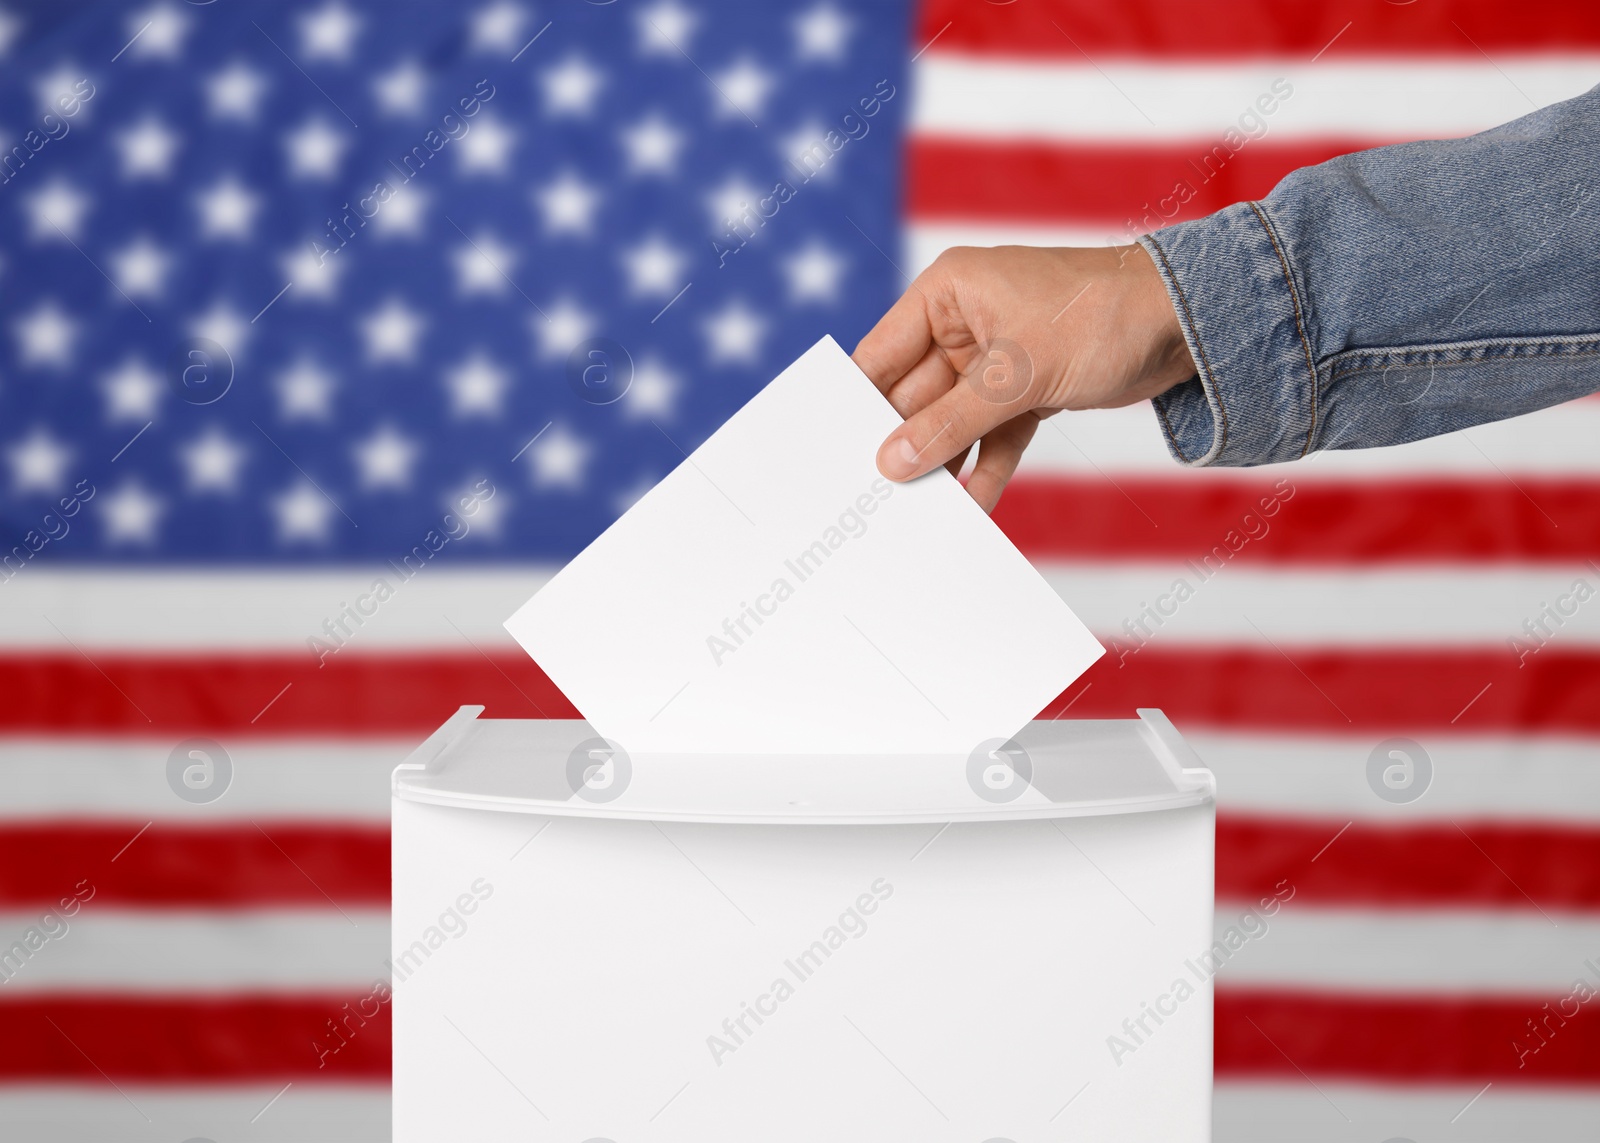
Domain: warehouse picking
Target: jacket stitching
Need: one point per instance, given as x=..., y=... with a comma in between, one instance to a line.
x=1205, y=362
x=1356, y=362
x=1299, y=323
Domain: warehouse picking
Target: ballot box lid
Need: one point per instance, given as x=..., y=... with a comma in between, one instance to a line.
x=1065, y=768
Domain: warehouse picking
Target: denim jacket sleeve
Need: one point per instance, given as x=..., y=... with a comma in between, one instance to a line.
x=1391, y=294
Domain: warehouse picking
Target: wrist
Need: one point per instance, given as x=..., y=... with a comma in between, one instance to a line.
x=1165, y=349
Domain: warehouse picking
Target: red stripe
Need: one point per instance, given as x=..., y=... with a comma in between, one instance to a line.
x=1259, y=1034
x=1478, y=865
x=1287, y=1035
x=1471, y=865
x=1388, y=521
x=163, y=1039
x=1124, y=189
x=236, y=865
x=1255, y=687
x=354, y=695
x=1231, y=29
x=1305, y=690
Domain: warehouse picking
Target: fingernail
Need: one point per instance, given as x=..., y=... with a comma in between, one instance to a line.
x=897, y=459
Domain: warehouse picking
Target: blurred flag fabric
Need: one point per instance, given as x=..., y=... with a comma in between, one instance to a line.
x=291, y=294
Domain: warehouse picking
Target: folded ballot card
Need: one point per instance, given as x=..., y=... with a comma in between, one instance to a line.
x=774, y=594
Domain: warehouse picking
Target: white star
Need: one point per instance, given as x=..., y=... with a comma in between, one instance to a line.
x=328, y=33
x=140, y=268
x=131, y=391
x=59, y=90
x=224, y=325
x=571, y=87
x=477, y=386
x=823, y=33
x=497, y=26
x=131, y=514
x=808, y=153
x=563, y=328
x=45, y=336
x=665, y=29
x=483, y=265
x=303, y=514
x=814, y=274
x=401, y=90
x=654, y=267
x=652, y=145
x=305, y=393
x=487, y=506
x=385, y=459
x=227, y=210
x=147, y=149
x=730, y=202
x=212, y=462
x=734, y=334
x=313, y=275
x=557, y=459
x=402, y=215
x=55, y=209
x=162, y=37
x=9, y=27
x=315, y=150
x=392, y=332
x=653, y=392
x=38, y=463
x=486, y=147
x=568, y=204
x=742, y=90
x=234, y=92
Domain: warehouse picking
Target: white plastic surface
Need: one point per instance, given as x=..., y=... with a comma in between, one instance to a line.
x=1063, y=769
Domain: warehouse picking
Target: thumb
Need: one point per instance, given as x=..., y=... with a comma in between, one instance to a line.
x=993, y=390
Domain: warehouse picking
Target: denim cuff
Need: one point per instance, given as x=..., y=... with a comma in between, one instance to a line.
x=1254, y=400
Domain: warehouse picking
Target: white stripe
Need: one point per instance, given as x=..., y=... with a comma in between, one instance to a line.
x=1457, y=604
x=1416, y=954
x=125, y=779
x=1333, y=1112
x=95, y=1112
x=1243, y=1113
x=1131, y=102
x=192, y=952
x=444, y=610
x=1475, y=778
x=1553, y=443
x=1271, y=775
x=1430, y=952
x=1394, y=607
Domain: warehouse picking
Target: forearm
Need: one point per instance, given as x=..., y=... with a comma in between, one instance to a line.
x=1391, y=295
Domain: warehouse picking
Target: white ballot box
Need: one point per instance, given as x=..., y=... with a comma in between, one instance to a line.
x=1014, y=945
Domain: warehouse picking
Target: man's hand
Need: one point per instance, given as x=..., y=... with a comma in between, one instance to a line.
x=988, y=342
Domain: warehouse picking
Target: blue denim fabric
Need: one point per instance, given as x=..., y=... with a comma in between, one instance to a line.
x=1391, y=295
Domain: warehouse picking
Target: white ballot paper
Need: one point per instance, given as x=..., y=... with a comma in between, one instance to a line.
x=774, y=594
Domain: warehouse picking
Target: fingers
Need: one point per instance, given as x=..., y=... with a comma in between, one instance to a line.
x=997, y=459
x=899, y=340
x=953, y=465
x=944, y=429
x=926, y=381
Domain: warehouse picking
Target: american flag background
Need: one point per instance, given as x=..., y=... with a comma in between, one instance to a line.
x=296, y=297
